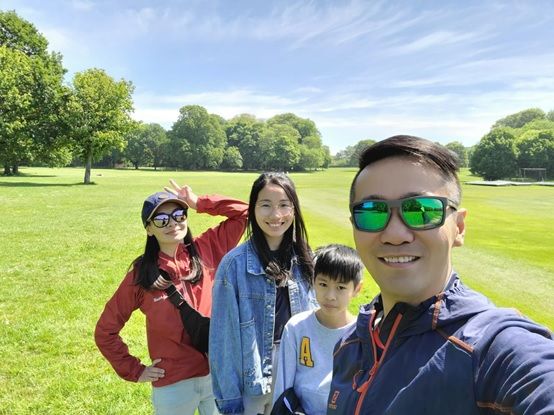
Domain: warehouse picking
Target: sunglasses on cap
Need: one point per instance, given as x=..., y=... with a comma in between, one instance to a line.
x=418, y=212
x=161, y=220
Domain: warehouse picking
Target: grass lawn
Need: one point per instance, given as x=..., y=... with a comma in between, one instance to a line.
x=65, y=247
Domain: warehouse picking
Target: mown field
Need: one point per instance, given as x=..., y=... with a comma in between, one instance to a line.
x=64, y=248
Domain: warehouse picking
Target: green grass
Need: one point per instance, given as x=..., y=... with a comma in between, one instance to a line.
x=65, y=247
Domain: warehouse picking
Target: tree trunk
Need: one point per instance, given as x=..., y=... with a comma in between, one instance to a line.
x=7, y=170
x=88, y=166
x=15, y=169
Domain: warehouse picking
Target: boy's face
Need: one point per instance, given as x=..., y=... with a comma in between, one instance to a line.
x=408, y=265
x=333, y=296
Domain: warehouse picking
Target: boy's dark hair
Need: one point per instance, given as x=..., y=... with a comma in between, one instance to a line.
x=295, y=239
x=426, y=152
x=340, y=263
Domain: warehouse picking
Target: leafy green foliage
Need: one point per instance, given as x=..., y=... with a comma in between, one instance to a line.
x=99, y=114
x=536, y=149
x=525, y=141
x=304, y=126
x=279, y=147
x=232, y=160
x=146, y=145
x=32, y=96
x=494, y=157
x=521, y=118
x=350, y=155
x=19, y=34
x=461, y=152
x=243, y=132
x=198, y=138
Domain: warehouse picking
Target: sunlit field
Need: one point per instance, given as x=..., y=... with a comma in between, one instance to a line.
x=65, y=247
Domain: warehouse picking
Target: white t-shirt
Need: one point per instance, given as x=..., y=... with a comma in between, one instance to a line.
x=306, y=360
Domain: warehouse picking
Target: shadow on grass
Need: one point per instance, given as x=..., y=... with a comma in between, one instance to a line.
x=29, y=184
x=22, y=174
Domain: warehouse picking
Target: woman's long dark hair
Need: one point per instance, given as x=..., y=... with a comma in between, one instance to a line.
x=147, y=264
x=295, y=239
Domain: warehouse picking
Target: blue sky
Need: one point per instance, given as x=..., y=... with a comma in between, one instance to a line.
x=444, y=70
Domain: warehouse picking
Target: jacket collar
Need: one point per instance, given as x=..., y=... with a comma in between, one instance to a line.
x=176, y=266
x=253, y=264
x=455, y=303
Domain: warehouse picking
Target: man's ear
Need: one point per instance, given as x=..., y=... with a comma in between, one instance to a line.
x=460, y=227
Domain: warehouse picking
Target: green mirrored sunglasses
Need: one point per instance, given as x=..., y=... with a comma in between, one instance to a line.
x=417, y=213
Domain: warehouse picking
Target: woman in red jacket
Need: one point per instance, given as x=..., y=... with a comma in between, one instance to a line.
x=179, y=372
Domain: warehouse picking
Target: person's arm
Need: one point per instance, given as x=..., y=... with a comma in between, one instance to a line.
x=286, y=364
x=515, y=374
x=225, y=341
x=225, y=236
x=116, y=313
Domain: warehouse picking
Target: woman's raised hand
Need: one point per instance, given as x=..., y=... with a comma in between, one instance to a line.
x=183, y=192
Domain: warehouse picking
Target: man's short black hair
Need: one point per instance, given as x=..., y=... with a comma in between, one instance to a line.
x=340, y=263
x=426, y=152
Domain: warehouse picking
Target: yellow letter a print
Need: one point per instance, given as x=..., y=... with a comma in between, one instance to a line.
x=305, y=353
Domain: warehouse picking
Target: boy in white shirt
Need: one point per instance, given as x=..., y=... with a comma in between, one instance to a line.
x=306, y=353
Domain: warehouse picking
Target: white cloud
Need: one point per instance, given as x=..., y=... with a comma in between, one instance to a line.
x=82, y=5
x=436, y=39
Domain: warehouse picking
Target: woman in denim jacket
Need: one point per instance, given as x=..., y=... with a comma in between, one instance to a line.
x=258, y=286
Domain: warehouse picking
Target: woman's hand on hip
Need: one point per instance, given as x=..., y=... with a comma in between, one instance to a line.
x=152, y=373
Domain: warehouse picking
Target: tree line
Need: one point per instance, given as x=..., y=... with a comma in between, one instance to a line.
x=524, y=140
x=521, y=140
x=202, y=141
x=44, y=121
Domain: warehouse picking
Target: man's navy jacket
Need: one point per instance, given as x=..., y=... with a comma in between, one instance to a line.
x=454, y=354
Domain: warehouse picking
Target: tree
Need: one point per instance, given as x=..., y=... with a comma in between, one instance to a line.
x=550, y=115
x=327, y=158
x=232, y=160
x=158, y=143
x=519, y=119
x=495, y=156
x=279, y=147
x=32, y=96
x=16, y=107
x=198, y=138
x=312, y=153
x=244, y=132
x=358, y=149
x=137, y=150
x=310, y=158
x=460, y=151
x=351, y=154
x=304, y=126
x=145, y=145
x=19, y=34
x=99, y=115
x=536, y=150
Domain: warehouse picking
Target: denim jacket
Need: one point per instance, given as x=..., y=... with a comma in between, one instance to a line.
x=241, y=331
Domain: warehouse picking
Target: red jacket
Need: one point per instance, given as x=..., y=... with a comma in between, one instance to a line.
x=167, y=339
